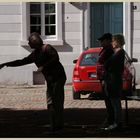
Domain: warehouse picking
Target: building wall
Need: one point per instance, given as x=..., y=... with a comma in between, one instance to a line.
x=136, y=36
x=73, y=28
x=72, y=24
x=11, y=34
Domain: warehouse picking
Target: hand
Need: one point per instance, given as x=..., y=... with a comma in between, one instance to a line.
x=40, y=69
x=1, y=66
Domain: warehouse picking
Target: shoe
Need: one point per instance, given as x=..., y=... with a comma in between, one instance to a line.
x=105, y=124
x=111, y=127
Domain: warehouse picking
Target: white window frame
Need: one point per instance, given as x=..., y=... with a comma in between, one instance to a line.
x=58, y=40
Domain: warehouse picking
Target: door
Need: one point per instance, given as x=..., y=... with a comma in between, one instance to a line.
x=105, y=17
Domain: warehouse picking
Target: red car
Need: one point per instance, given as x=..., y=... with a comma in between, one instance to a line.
x=85, y=79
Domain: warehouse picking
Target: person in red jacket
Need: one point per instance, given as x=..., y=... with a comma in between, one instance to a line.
x=47, y=60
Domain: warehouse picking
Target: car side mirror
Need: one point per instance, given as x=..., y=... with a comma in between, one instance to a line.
x=75, y=61
x=134, y=60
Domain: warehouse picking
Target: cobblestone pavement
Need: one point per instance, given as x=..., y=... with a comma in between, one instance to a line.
x=23, y=113
x=34, y=97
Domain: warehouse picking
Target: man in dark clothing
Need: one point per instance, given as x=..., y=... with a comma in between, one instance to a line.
x=107, y=51
x=47, y=60
x=115, y=67
x=105, y=54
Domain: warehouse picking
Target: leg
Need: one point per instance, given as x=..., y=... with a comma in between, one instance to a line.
x=116, y=103
x=59, y=103
x=50, y=105
x=109, y=107
x=110, y=111
x=55, y=98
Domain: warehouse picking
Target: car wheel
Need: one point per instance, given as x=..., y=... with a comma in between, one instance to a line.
x=76, y=95
x=130, y=91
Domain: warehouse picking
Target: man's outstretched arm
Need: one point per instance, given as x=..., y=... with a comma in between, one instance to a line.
x=27, y=60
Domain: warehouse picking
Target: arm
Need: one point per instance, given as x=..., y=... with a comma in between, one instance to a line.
x=27, y=60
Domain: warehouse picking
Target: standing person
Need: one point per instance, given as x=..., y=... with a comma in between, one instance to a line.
x=115, y=67
x=104, y=55
x=47, y=60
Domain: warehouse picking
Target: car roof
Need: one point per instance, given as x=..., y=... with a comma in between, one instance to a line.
x=89, y=50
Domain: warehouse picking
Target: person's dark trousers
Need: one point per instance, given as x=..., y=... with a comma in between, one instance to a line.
x=116, y=104
x=113, y=107
x=109, y=107
x=55, y=102
x=110, y=111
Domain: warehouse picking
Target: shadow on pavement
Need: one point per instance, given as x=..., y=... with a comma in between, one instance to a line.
x=79, y=123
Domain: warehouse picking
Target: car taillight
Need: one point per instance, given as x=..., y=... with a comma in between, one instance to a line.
x=126, y=74
x=76, y=76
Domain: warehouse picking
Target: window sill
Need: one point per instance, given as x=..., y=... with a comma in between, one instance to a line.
x=52, y=42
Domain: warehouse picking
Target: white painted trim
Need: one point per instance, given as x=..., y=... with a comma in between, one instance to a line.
x=24, y=21
x=88, y=26
x=82, y=28
x=127, y=27
x=59, y=30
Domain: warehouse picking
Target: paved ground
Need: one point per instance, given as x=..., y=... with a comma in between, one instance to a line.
x=23, y=113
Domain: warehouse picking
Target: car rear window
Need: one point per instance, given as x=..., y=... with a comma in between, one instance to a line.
x=89, y=59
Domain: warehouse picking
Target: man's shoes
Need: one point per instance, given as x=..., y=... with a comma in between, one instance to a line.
x=111, y=127
x=105, y=124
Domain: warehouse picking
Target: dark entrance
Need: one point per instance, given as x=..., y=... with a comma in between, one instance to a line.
x=105, y=17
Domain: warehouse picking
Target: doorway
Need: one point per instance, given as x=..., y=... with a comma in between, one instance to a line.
x=105, y=17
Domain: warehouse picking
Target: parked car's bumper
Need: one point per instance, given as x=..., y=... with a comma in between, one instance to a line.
x=87, y=86
x=95, y=86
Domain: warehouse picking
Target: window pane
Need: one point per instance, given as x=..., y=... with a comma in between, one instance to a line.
x=50, y=19
x=50, y=30
x=35, y=19
x=89, y=59
x=35, y=8
x=41, y=18
x=49, y=8
x=35, y=29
